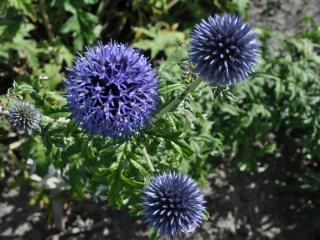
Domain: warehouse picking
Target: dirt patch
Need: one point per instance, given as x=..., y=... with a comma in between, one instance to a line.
x=286, y=16
x=86, y=219
x=243, y=206
x=255, y=206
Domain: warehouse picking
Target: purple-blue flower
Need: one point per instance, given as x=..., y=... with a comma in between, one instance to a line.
x=112, y=90
x=24, y=117
x=173, y=205
x=223, y=49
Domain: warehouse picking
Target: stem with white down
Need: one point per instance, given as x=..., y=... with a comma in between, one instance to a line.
x=175, y=102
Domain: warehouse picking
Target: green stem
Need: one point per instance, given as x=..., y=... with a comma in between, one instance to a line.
x=46, y=20
x=4, y=113
x=175, y=102
x=147, y=157
x=48, y=120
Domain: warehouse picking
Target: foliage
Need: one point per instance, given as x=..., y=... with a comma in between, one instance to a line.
x=35, y=55
x=279, y=105
x=275, y=116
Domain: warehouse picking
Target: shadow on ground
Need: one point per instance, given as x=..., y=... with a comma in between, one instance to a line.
x=243, y=206
x=87, y=219
x=258, y=206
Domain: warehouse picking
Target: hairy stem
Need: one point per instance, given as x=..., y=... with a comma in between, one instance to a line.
x=45, y=120
x=175, y=102
x=147, y=157
x=3, y=112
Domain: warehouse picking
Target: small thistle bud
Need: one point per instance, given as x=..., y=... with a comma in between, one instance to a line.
x=223, y=49
x=173, y=205
x=112, y=90
x=24, y=117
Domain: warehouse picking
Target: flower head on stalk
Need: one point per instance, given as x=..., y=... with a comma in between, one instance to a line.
x=24, y=117
x=112, y=90
x=173, y=204
x=223, y=49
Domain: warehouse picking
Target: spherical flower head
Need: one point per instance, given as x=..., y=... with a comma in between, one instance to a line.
x=24, y=117
x=223, y=49
x=173, y=204
x=112, y=90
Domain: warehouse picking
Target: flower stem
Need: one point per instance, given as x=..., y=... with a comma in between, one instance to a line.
x=175, y=102
x=4, y=113
x=147, y=157
x=48, y=120
x=46, y=21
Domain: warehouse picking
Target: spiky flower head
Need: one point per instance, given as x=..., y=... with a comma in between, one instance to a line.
x=223, y=49
x=173, y=204
x=24, y=117
x=112, y=90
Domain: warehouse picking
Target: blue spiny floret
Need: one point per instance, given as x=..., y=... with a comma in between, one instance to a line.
x=223, y=49
x=173, y=205
x=24, y=117
x=112, y=90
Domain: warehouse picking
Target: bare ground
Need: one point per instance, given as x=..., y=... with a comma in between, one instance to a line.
x=286, y=16
x=243, y=206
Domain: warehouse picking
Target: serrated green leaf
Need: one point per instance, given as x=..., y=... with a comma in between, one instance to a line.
x=26, y=7
x=132, y=182
x=72, y=24
x=140, y=168
x=206, y=215
x=171, y=88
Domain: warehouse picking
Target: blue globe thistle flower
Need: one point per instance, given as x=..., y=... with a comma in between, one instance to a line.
x=24, y=117
x=112, y=90
x=173, y=204
x=223, y=49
